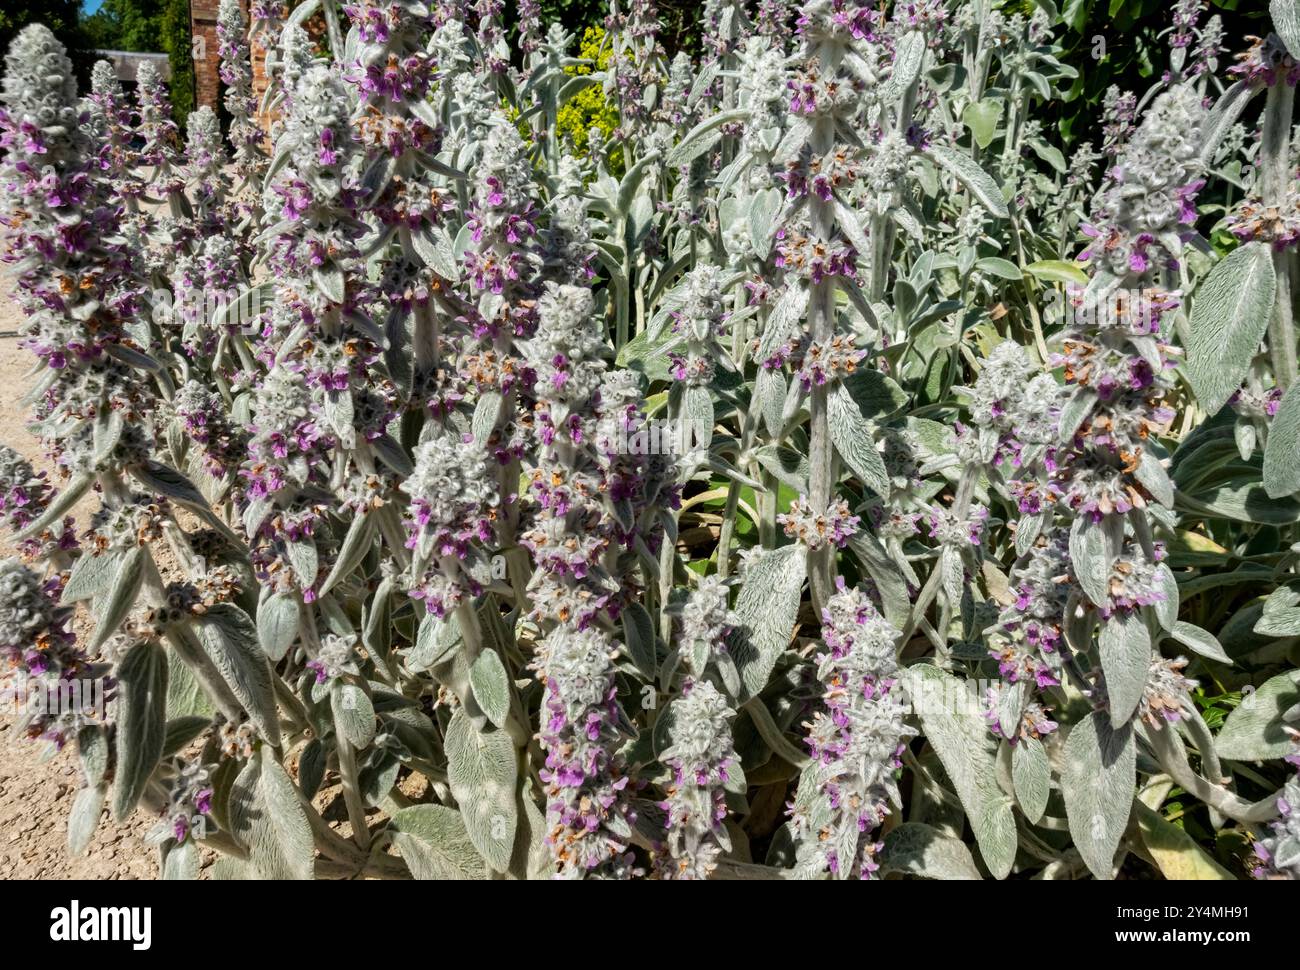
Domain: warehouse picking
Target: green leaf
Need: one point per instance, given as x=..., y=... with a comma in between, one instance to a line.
x=1282, y=451
x=482, y=771
x=1255, y=731
x=491, y=686
x=955, y=727
x=1098, y=782
x=997, y=266
x=433, y=842
x=981, y=117
x=1057, y=271
x=920, y=850
x=1176, y=853
x=141, y=722
x=1228, y=321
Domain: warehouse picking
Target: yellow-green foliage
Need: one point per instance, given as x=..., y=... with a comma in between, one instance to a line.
x=589, y=108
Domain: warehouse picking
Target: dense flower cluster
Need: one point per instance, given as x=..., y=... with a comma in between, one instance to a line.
x=855, y=742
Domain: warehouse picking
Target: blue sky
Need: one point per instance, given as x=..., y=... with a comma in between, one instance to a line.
x=90, y=6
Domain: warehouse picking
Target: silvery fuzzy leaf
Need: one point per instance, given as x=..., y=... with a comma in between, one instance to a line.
x=1228, y=320
x=851, y=435
x=766, y=609
x=91, y=576
x=141, y=722
x=181, y=862
x=1097, y=782
x=311, y=768
x=393, y=455
x=955, y=727
x=434, y=844
x=267, y=817
x=849, y=224
x=482, y=772
x=304, y=559
x=1200, y=641
x=785, y=465
x=1027, y=531
x=107, y=433
x=1151, y=473
x=229, y=638
x=1245, y=437
x=1286, y=22
x=769, y=398
x=968, y=172
x=1282, y=450
x=1075, y=411
x=177, y=488
x=895, y=600
x=185, y=698
x=115, y=606
x=697, y=410
x=487, y=413
x=639, y=639
x=356, y=543
x=1031, y=774
x=1255, y=730
x=920, y=850
x=337, y=411
x=491, y=686
x=1281, y=615
x=58, y=507
x=277, y=624
x=784, y=319
x=436, y=248
x=1166, y=610
x=182, y=730
x=532, y=857
x=1090, y=558
x=702, y=137
x=1223, y=116
x=329, y=280
x=909, y=56
x=83, y=817
x=762, y=220
x=1125, y=650
x=436, y=641
x=354, y=714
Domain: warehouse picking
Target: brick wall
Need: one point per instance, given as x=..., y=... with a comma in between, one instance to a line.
x=203, y=25
x=207, y=80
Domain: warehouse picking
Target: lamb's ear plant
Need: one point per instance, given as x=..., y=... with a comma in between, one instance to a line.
x=832, y=474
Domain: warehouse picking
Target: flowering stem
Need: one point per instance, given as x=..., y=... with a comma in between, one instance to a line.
x=1275, y=153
